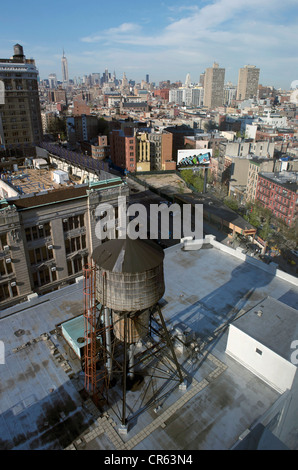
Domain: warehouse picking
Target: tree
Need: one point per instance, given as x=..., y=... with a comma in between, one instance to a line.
x=231, y=203
x=194, y=178
x=57, y=126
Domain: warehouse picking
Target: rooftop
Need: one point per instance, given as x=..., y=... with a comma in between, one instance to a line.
x=272, y=323
x=217, y=208
x=42, y=404
x=27, y=180
x=27, y=187
x=288, y=179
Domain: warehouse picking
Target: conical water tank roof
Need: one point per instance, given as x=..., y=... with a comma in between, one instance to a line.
x=130, y=274
x=128, y=256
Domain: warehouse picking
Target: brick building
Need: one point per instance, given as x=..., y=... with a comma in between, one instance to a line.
x=163, y=93
x=278, y=193
x=123, y=148
x=99, y=150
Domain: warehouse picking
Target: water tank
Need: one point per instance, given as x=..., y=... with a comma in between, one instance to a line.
x=18, y=51
x=129, y=278
x=129, y=274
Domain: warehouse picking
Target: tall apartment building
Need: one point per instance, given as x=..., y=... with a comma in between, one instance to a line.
x=123, y=148
x=154, y=151
x=81, y=128
x=214, y=86
x=248, y=82
x=20, y=118
x=255, y=167
x=161, y=151
x=46, y=237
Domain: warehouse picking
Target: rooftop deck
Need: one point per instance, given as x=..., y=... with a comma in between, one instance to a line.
x=41, y=401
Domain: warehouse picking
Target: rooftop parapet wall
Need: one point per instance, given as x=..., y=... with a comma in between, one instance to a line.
x=271, y=268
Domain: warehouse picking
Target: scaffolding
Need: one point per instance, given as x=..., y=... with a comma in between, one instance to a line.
x=90, y=333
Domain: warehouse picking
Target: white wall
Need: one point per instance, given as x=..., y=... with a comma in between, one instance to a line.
x=270, y=367
x=6, y=191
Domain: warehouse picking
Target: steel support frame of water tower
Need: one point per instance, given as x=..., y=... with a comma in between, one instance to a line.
x=97, y=380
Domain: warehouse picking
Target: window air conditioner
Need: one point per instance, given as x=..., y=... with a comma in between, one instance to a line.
x=13, y=284
x=53, y=268
x=50, y=247
x=40, y=227
x=6, y=248
x=8, y=260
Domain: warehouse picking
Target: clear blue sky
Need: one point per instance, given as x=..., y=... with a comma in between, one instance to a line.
x=166, y=39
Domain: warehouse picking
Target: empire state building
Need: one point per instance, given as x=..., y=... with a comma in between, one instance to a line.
x=64, y=69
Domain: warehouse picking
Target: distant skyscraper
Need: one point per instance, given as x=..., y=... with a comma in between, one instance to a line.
x=124, y=84
x=147, y=78
x=64, y=65
x=248, y=81
x=52, y=80
x=202, y=79
x=230, y=92
x=106, y=76
x=20, y=118
x=214, y=86
x=187, y=80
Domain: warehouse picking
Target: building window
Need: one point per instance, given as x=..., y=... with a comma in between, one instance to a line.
x=75, y=244
x=38, y=231
x=258, y=351
x=43, y=277
x=39, y=255
x=3, y=240
x=77, y=221
x=7, y=291
x=5, y=268
x=76, y=264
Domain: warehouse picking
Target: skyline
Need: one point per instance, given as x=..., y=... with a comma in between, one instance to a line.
x=166, y=40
